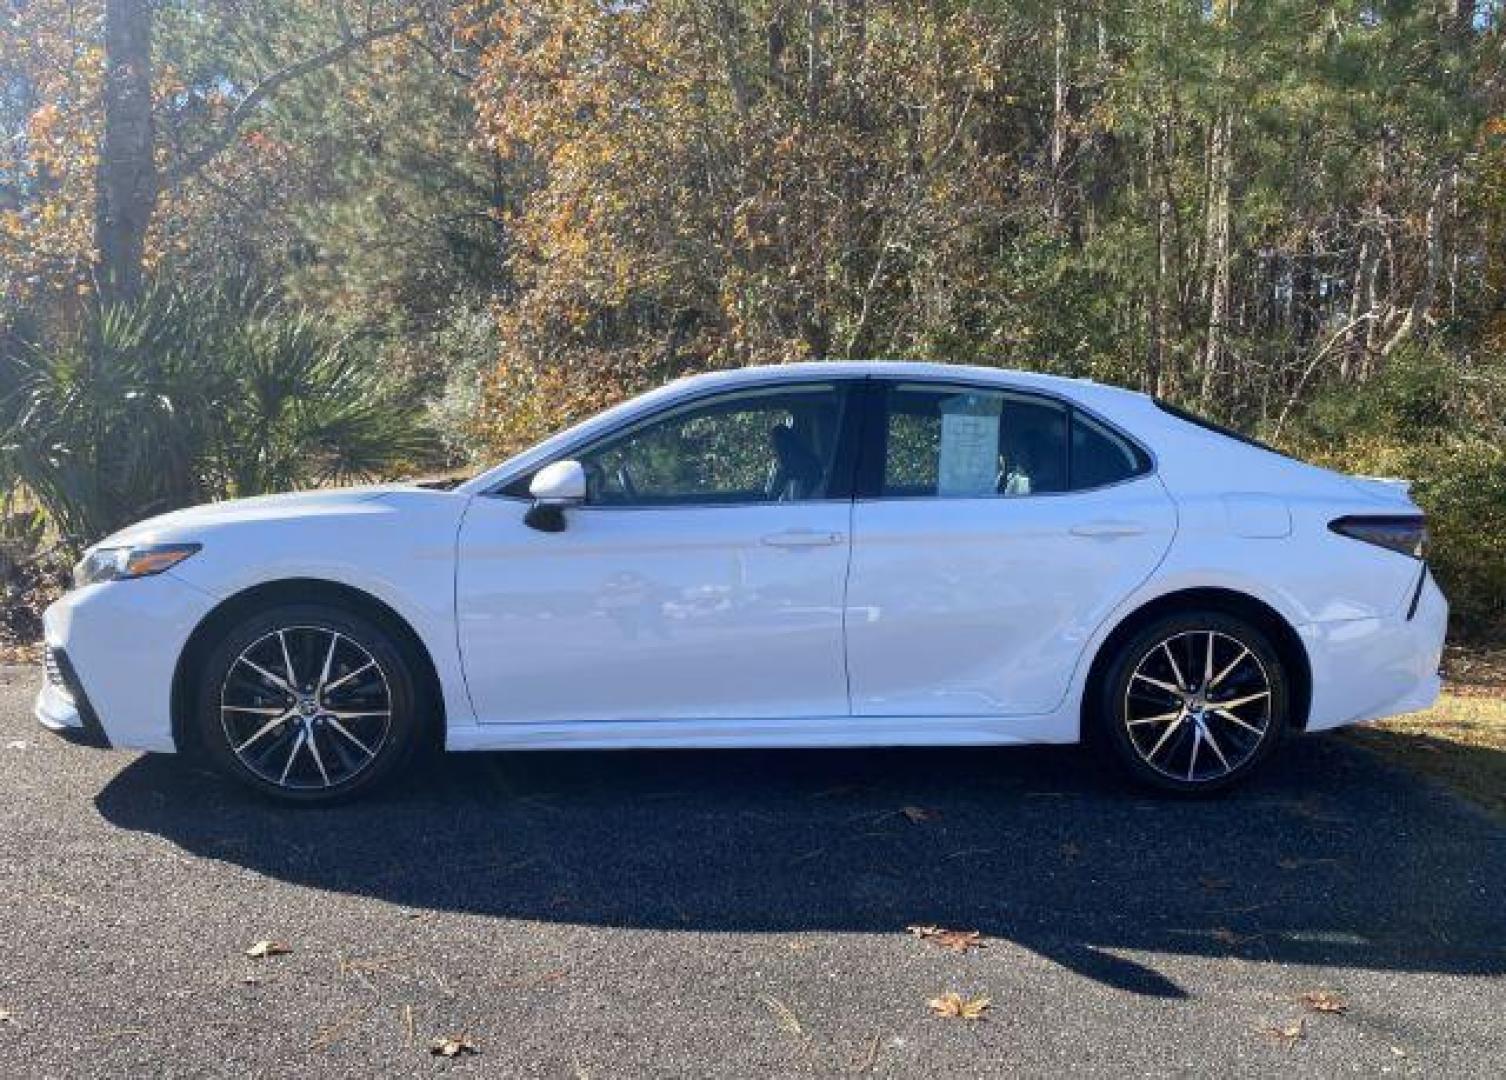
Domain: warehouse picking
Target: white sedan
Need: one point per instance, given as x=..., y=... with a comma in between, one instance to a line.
x=805, y=555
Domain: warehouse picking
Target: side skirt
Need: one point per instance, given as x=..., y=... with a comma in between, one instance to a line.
x=809, y=732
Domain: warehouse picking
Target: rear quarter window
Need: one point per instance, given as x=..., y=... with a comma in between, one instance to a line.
x=1101, y=456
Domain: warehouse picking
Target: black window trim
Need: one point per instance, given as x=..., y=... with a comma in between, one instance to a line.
x=871, y=457
x=851, y=399
x=1187, y=416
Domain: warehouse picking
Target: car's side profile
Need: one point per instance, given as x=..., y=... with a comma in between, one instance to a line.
x=805, y=555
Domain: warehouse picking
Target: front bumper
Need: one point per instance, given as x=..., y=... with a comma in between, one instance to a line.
x=63, y=708
x=114, y=651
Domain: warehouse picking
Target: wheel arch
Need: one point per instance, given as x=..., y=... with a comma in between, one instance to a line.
x=1283, y=636
x=301, y=590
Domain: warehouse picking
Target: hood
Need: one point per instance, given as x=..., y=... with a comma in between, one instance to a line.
x=181, y=524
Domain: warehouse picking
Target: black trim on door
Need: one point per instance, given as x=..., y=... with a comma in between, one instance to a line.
x=871, y=439
x=845, y=463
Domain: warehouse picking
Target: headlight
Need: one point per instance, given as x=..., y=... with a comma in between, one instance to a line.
x=138, y=560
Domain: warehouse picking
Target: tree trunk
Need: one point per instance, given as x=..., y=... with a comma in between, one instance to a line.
x=1422, y=299
x=127, y=173
x=1359, y=295
x=1160, y=381
x=1058, y=113
x=815, y=25
x=1219, y=224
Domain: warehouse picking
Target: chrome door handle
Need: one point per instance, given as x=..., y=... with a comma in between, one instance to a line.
x=1108, y=529
x=803, y=538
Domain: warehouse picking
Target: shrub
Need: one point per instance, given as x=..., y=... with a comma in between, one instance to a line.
x=1431, y=418
x=179, y=398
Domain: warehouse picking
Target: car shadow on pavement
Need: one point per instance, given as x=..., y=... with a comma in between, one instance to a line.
x=1331, y=857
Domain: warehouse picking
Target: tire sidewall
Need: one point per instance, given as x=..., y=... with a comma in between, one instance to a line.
x=384, y=647
x=1110, y=695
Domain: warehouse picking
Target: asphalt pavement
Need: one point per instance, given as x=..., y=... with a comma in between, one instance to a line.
x=744, y=914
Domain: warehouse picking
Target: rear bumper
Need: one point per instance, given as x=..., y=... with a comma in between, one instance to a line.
x=1368, y=669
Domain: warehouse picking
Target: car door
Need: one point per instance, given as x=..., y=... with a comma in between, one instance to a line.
x=702, y=578
x=993, y=532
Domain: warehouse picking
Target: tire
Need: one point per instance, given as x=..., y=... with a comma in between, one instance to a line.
x=326, y=738
x=1173, y=727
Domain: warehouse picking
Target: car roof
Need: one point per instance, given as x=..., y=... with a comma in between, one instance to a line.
x=900, y=369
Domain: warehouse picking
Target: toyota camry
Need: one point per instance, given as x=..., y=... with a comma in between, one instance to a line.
x=796, y=556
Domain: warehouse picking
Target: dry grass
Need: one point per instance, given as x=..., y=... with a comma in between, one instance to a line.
x=1460, y=741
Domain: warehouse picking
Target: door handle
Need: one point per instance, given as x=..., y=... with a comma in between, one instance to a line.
x=803, y=538
x=1108, y=529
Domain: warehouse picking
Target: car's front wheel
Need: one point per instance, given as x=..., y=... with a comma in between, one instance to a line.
x=308, y=703
x=1193, y=701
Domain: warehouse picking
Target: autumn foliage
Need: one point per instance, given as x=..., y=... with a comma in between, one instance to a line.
x=1287, y=215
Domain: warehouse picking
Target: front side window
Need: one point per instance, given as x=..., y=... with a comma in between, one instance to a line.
x=771, y=445
x=967, y=442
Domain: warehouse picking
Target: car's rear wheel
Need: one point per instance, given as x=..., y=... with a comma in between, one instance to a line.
x=1193, y=701
x=308, y=703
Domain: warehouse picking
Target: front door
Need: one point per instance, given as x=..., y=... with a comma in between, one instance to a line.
x=703, y=578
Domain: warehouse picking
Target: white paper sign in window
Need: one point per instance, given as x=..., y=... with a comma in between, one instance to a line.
x=969, y=461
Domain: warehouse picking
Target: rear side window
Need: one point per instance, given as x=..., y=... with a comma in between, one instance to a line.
x=963, y=442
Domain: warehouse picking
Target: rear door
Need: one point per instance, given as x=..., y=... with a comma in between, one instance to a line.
x=993, y=532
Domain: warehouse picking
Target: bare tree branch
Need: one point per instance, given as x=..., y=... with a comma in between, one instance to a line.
x=191, y=164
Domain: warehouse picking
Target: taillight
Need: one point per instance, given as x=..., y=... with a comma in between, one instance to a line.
x=1404, y=533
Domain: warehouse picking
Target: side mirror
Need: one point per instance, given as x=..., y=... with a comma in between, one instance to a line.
x=554, y=488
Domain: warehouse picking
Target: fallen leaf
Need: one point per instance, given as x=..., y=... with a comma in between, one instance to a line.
x=1228, y=937
x=371, y=966
x=329, y=1035
x=1288, y=1033
x=1211, y=883
x=265, y=948
x=1324, y=1001
x=969, y=852
x=919, y=815
x=837, y=792
x=953, y=1004
x=1297, y=864
x=955, y=940
x=6, y=1017
x=1070, y=850
x=408, y=1022
x=452, y=1046
x=783, y=1015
